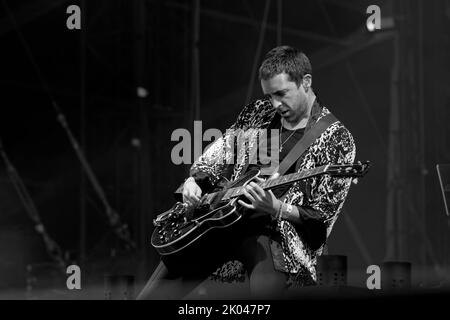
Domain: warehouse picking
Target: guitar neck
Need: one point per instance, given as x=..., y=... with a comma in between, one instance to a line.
x=269, y=184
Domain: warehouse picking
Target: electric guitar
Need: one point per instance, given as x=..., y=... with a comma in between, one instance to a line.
x=182, y=225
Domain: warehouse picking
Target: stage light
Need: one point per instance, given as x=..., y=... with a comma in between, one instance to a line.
x=136, y=143
x=141, y=92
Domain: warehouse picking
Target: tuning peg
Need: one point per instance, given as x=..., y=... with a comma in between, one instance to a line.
x=355, y=181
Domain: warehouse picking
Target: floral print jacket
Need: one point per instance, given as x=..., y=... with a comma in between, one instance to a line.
x=324, y=194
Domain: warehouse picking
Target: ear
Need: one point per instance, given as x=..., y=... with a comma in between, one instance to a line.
x=307, y=81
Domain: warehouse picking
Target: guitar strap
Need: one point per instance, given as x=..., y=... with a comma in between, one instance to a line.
x=308, y=138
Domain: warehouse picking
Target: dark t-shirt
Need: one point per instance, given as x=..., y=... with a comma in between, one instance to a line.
x=313, y=231
x=287, y=140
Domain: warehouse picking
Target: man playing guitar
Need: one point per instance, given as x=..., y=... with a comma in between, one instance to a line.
x=279, y=246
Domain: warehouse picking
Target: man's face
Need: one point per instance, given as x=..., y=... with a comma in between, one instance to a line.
x=289, y=100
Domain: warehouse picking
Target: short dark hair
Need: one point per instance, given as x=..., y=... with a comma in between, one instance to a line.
x=285, y=59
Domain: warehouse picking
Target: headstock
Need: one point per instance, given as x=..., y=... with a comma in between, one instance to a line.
x=355, y=170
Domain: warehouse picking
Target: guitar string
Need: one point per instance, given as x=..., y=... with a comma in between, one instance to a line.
x=294, y=176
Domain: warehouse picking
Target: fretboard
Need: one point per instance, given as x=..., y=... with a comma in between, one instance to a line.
x=287, y=179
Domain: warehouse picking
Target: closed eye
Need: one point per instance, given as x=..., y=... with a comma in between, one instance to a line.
x=280, y=93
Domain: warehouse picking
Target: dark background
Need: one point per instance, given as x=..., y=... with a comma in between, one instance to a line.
x=395, y=213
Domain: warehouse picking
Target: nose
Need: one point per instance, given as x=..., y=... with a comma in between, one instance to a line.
x=276, y=103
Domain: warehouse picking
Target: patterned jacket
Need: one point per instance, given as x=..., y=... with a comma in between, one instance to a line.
x=324, y=194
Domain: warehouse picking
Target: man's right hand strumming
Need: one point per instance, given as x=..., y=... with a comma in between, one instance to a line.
x=191, y=191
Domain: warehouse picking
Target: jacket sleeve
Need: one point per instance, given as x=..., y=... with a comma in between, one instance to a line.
x=219, y=155
x=325, y=195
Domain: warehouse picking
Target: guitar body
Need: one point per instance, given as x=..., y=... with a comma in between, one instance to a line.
x=181, y=226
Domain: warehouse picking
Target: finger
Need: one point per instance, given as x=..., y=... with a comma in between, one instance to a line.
x=198, y=193
x=253, y=193
x=271, y=193
x=259, y=179
x=249, y=196
x=272, y=196
x=257, y=189
x=192, y=199
x=248, y=206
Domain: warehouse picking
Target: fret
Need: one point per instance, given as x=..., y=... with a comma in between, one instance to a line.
x=293, y=177
x=296, y=176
